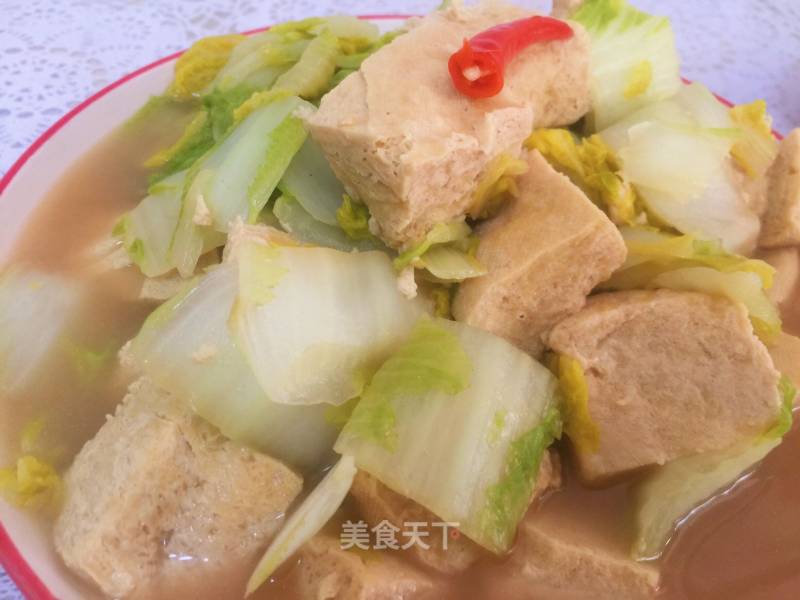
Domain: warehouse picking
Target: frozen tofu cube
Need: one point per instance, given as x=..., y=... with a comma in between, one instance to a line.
x=405, y=142
x=155, y=487
x=781, y=221
x=669, y=374
x=326, y=572
x=547, y=249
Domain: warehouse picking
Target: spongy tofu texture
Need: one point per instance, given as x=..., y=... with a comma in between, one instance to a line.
x=379, y=503
x=781, y=221
x=404, y=141
x=669, y=374
x=558, y=560
x=156, y=484
x=326, y=572
x=544, y=253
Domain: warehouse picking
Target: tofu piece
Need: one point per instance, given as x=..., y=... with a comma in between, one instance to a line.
x=379, y=503
x=669, y=374
x=786, y=262
x=157, y=485
x=558, y=560
x=781, y=222
x=326, y=572
x=546, y=250
x=405, y=142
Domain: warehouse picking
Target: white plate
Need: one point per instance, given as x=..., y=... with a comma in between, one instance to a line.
x=26, y=550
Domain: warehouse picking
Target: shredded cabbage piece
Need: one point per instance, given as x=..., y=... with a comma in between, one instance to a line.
x=788, y=393
x=681, y=167
x=236, y=179
x=309, y=77
x=442, y=301
x=674, y=491
x=441, y=233
x=246, y=64
x=431, y=360
x=185, y=347
x=497, y=182
x=673, y=251
x=634, y=60
x=757, y=149
x=305, y=228
x=578, y=423
x=311, y=181
x=427, y=427
x=33, y=301
x=306, y=521
x=329, y=317
x=209, y=125
x=509, y=498
x=199, y=65
x=450, y=264
x=639, y=80
x=659, y=260
x=704, y=108
x=188, y=138
x=256, y=101
x=32, y=482
x=353, y=217
x=147, y=230
x=447, y=254
x=592, y=165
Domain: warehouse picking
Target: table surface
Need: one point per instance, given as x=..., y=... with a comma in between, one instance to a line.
x=55, y=53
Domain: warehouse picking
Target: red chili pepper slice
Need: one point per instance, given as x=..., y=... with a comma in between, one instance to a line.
x=478, y=68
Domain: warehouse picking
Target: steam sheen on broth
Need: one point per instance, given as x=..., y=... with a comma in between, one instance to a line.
x=741, y=544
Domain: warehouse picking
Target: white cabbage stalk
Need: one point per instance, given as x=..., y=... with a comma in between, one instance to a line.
x=186, y=348
x=245, y=61
x=305, y=228
x=457, y=420
x=236, y=179
x=657, y=152
x=698, y=101
x=673, y=492
x=449, y=264
x=668, y=112
x=190, y=240
x=36, y=310
x=719, y=213
x=310, y=180
x=634, y=60
x=682, y=170
x=314, y=322
x=349, y=27
x=147, y=231
x=306, y=521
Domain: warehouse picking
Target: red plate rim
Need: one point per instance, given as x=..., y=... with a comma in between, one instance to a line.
x=11, y=559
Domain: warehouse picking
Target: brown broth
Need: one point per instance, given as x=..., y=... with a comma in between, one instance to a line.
x=742, y=544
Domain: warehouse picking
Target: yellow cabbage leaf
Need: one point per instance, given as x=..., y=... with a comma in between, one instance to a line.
x=757, y=147
x=494, y=186
x=197, y=67
x=578, y=423
x=592, y=165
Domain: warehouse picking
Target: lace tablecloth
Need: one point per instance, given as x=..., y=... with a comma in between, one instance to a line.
x=54, y=53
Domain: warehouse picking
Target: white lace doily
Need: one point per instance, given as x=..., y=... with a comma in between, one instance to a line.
x=55, y=53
